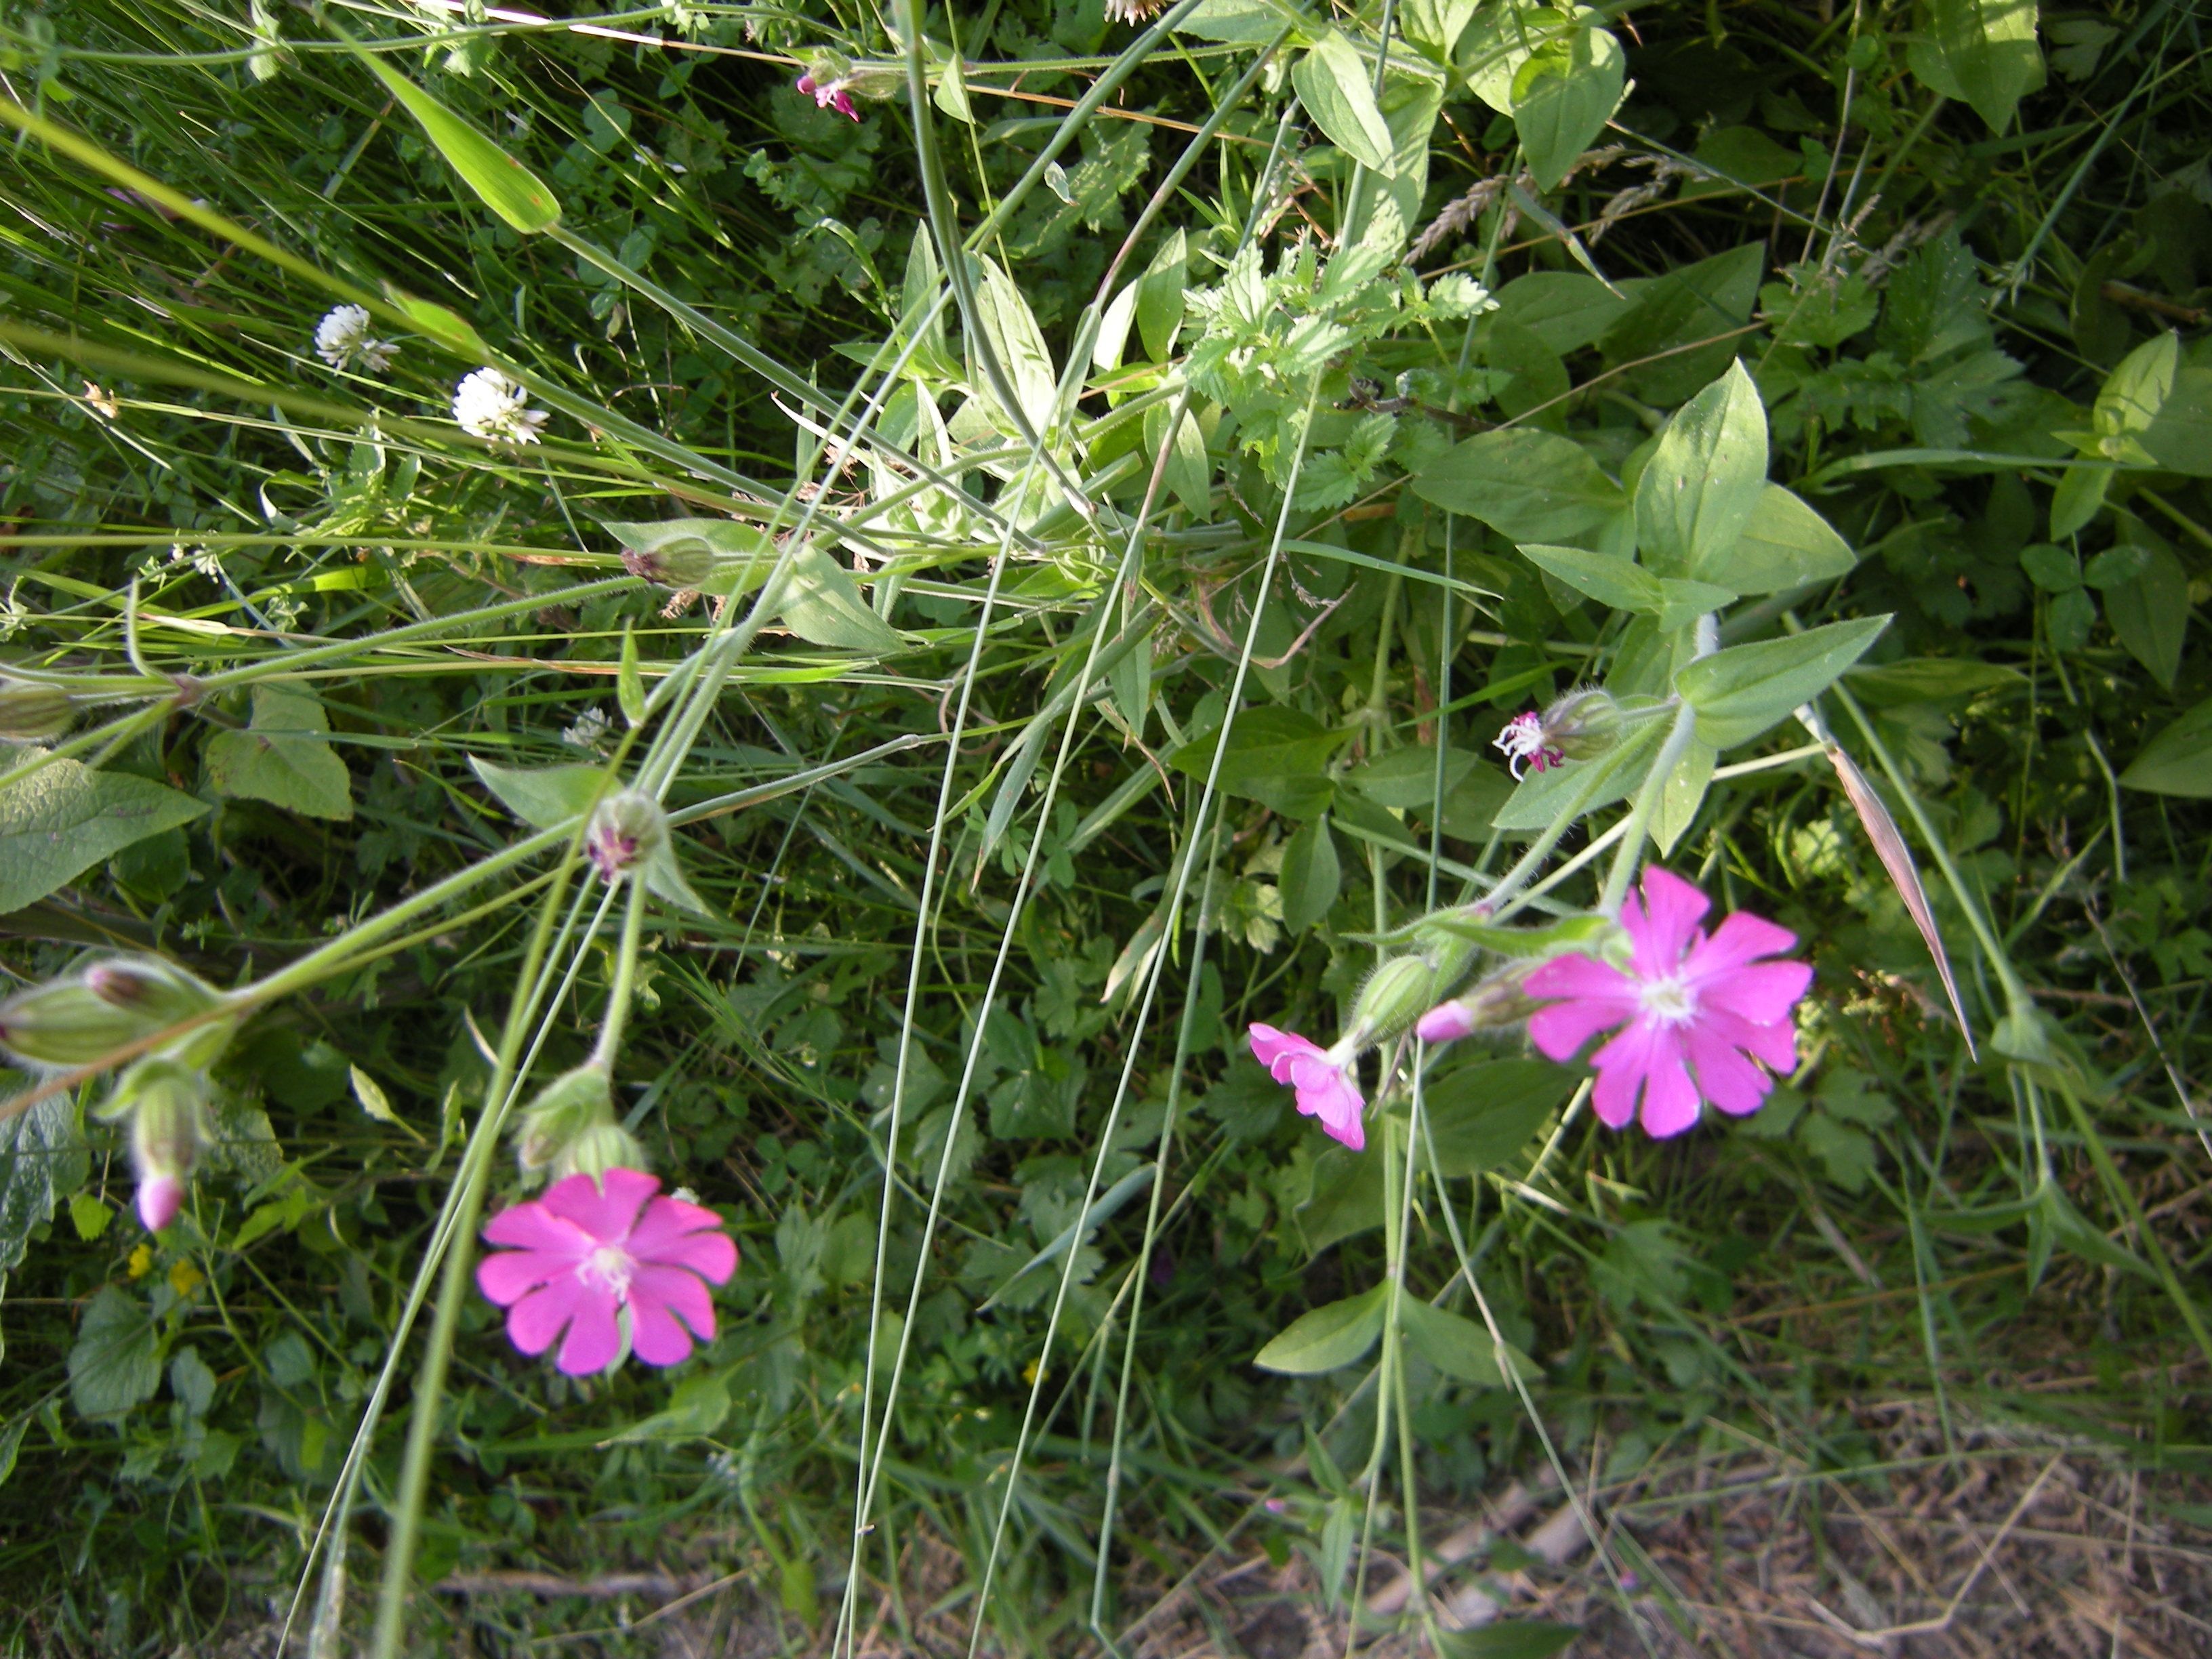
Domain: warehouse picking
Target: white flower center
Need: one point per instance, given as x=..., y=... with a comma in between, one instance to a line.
x=1668, y=1001
x=608, y=1268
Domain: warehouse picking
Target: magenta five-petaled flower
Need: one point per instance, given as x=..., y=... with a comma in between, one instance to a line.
x=590, y=1257
x=1696, y=1012
x=1321, y=1076
x=829, y=94
x=1522, y=740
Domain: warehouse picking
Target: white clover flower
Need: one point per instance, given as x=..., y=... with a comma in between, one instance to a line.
x=590, y=730
x=343, y=334
x=489, y=405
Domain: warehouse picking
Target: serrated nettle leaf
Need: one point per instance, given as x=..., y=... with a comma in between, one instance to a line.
x=1704, y=481
x=1784, y=544
x=281, y=758
x=502, y=183
x=1311, y=876
x=1328, y=1337
x=2179, y=760
x=1742, y=691
x=1529, y=486
x=1336, y=85
x=1562, y=100
x=65, y=817
x=1612, y=582
x=1541, y=797
x=2150, y=612
x=116, y=1361
x=823, y=605
x=548, y=796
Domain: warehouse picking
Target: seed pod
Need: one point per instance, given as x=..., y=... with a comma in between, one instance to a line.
x=558, y=1115
x=66, y=1024
x=33, y=713
x=601, y=1147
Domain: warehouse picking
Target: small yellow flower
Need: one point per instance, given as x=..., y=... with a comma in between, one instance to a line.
x=184, y=1279
x=142, y=1261
x=1029, y=1373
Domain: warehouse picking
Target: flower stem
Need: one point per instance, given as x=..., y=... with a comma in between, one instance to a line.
x=618, y=994
x=1705, y=641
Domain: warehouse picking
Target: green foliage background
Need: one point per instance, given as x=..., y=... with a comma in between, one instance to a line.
x=1961, y=254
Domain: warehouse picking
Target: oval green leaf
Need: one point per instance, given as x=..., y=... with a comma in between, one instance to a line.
x=505, y=186
x=1325, y=1338
x=1740, y=692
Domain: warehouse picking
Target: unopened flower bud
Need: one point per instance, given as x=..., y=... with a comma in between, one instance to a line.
x=559, y=1113
x=601, y=1147
x=32, y=713
x=147, y=985
x=686, y=564
x=1583, y=724
x=168, y=1104
x=1497, y=1002
x=626, y=830
x=1393, y=997
x=66, y=1024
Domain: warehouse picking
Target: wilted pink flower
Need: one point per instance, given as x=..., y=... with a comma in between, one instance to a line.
x=829, y=94
x=1523, y=739
x=1321, y=1076
x=160, y=1198
x=1687, y=1001
x=588, y=1252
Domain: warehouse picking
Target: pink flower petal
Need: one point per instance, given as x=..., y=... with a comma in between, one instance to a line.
x=532, y=1226
x=1741, y=937
x=607, y=1208
x=1775, y=1043
x=507, y=1276
x=1276, y=1049
x=1762, y=992
x=1578, y=975
x=1325, y=1092
x=1663, y=925
x=594, y=1338
x=1560, y=1030
x=1670, y=1099
x=1448, y=1021
x=533, y=1322
x=1725, y=1077
x=684, y=1235
x=663, y=1303
x=1619, y=1082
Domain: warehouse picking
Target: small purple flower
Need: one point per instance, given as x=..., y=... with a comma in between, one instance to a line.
x=1321, y=1076
x=1523, y=739
x=829, y=95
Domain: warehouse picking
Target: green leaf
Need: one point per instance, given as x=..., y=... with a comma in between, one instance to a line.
x=1542, y=795
x=1160, y=297
x=375, y=1102
x=442, y=323
x=1677, y=336
x=1348, y=1198
x=1561, y=100
x=65, y=817
x=2150, y=613
x=2180, y=438
x=1704, y=481
x=282, y=757
x=544, y=797
x=1453, y=1343
x=1522, y=1639
x=116, y=1361
x=1529, y=486
x=2051, y=568
x=1931, y=679
x=505, y=186
x=1983, y=52
x=1481, y=1115
x=11, y=1443
x=629, y=685
x=1405, y=780
x=1740, y=692
x=1682, y=794
x=822, y=605
x=41, y=1157
x=2179, y=760
x=1275, y=756
x=1311, y=876
x=1564, y=310
x=1784, y=545
x=90, y=1216
x=1010, y=330
x=2138, y=388
x=1612, y=580
x=1325, y=1338
x=1336, y=85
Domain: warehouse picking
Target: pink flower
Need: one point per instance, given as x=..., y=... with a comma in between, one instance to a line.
x=1322, y=1078
x=589, y=1251
x=829, y=94
x=160, y=1198
x=1687, y=1001
x=1524, y=740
